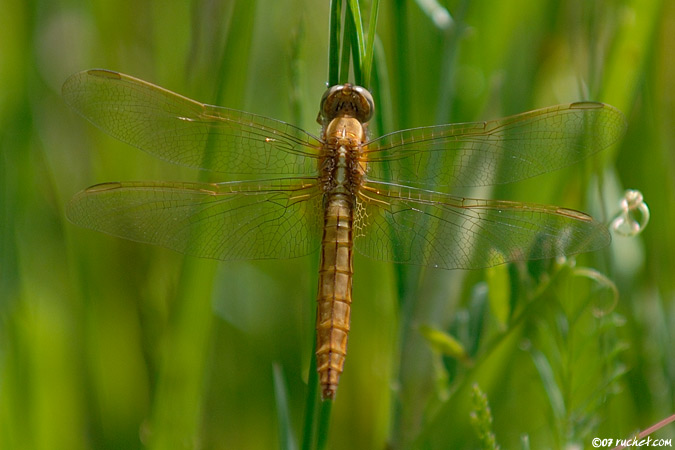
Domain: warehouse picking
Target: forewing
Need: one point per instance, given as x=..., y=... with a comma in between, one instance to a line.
x=183, y=131
x=226, y=221
x=495, y=152
x=413, y=226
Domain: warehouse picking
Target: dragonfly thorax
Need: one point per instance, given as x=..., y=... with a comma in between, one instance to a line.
x=342, y=164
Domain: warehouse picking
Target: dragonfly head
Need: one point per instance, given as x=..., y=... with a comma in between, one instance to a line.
x=346, y=100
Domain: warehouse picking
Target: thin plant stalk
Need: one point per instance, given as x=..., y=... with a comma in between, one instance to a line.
x=356, y=39
x=346, y=49
x=324, y=422
x=311, y=418
x=334, y=42
x=369, y=50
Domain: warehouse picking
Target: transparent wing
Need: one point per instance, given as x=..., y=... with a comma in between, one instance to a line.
x=494, y=152
x=186, y=132
x=226, y=221
x=414, y=226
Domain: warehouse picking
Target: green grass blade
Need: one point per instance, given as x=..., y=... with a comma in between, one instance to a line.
x=357, y=41
x=236, y=53
x=286, y=437
x=334, y=42
x=355, y=11
x=324, y=422
x=177, y=405
x=369, y=51
x=380, y=86
x=311, y=403
x=345, y=50
x=401, y=61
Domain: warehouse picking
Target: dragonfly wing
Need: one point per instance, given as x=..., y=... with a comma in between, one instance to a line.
x=183, y=131
x=226, y=221
x=495, y=152
x=414, y=226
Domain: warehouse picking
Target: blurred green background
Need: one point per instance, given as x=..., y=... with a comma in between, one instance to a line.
x=109, y=344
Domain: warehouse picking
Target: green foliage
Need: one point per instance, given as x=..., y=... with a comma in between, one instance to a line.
x=109, y=344
x=481, y=419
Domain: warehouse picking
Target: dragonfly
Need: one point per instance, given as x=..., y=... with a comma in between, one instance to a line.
x=385, y=197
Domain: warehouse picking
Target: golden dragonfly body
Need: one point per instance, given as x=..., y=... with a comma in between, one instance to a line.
x=337, y=192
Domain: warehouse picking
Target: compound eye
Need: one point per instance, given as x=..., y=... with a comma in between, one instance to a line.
x=325, y=109
x=367, y=107
x=346, y=100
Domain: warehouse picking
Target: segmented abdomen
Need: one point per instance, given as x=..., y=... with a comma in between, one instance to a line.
x=335, y=292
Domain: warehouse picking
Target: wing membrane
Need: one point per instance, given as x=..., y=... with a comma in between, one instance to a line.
x=183, y=131
x=407, y=225
x=226, y=221
x=494, y=152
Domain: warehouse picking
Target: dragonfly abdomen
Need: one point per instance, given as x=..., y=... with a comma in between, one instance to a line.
x=335, y=292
